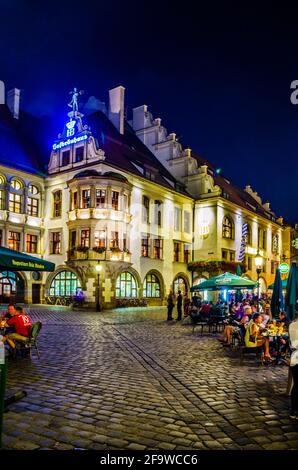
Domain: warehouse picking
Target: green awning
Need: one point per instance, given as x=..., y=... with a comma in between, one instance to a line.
x=283, y=282
x=11, y=260
x=225, y=281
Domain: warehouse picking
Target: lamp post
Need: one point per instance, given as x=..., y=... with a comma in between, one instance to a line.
x=98, y=268
x=259, y=264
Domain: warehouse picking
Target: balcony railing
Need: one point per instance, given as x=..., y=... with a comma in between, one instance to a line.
x=90, y=254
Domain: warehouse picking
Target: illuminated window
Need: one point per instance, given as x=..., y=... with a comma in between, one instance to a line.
x=32, y=206
x=126, y=286
x=100, y=238
x=100, y=198
x=73, y=238
x=2, y=199
x=177, y=219
x=57, y=209
x=14, y=241
x=186, y=252
x=115, y=200
x=55, y=243
x=145, y=209
x=8, y=286
x=145, y=246
x=176, y=252
x=86, y=200
x=31, y=243
x=114, y=242
x=157, y=213
x=151, y=286
x=248, y=235
x=249, y=263
x=262, y=238
x=180, y=284
x=85, y=238
x=15, y=203
x=157, y=248
x=74, y=200
x=186, y=222
x=16, y=184
x=64, y=284
x=33, y=189
x=2, y=179
x=227, y=228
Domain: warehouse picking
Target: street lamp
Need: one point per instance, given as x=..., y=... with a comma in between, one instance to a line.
x=98, y=268
x=259, y=264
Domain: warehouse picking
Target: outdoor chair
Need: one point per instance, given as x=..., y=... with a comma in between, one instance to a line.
x=25, y=347
x=257, y=351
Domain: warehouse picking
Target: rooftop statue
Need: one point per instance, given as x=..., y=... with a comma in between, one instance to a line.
x=74, y=100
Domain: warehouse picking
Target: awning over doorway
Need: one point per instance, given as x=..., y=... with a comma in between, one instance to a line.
x=11, y=260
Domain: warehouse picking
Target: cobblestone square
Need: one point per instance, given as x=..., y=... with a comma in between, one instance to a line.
x=127, y=379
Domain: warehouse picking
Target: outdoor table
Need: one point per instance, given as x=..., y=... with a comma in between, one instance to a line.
x=276, y=339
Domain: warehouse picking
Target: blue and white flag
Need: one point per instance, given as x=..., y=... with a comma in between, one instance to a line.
x=243, y=243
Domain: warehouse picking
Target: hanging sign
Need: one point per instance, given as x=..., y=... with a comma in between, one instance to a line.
x=284, y=268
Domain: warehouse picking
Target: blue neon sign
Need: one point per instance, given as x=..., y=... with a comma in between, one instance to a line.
x=70, y=142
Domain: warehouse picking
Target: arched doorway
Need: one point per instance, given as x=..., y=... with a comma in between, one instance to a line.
x=12, y=287
x=180, y=283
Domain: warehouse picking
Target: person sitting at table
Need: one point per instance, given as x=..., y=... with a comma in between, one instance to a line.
x=9, y=314
x=253, y=336
x=22, y=325
x=282, y=318
x=226, y=338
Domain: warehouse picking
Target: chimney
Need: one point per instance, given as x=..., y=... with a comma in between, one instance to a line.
x=139, y=117
x=2, y=93
x=13, y=102
x=116, y=107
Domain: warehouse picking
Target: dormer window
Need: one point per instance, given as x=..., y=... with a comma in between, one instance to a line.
x=227, y=228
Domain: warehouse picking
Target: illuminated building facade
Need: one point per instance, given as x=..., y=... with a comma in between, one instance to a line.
x=124, y=194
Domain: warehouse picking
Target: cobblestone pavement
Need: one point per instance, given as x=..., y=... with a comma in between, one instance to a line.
x=129, y=380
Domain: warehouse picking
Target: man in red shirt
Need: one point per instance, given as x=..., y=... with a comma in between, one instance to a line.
x=22, y=325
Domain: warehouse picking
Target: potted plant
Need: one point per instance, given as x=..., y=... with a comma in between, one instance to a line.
x=99, y=249
x=82, y=248
x=115, y=249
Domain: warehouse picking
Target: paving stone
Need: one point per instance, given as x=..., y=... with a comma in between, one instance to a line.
x=137, y=387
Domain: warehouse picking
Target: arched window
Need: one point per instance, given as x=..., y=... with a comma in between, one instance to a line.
x=33, y=189
x=64, y=284
x=227, y=228
x=151, y=286
x=180, y=284
x=16, y=184
x=2, y=192
x=8, y=285
x=57, y=206
x=16, y=196
x=248, y=235
x=126, y=285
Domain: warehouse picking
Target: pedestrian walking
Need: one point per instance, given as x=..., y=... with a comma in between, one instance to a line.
x=171, y=304
x=179, y=306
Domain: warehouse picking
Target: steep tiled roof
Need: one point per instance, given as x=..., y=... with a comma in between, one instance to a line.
x=128, y=152
x=18, y=148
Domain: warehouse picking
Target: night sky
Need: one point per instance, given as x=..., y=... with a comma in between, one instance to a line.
x=218, y=76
